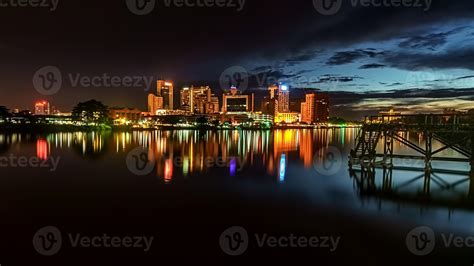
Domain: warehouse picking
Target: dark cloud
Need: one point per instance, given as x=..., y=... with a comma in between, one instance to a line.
x=372, y=66
x=346, y=57
x=355, y=105
x=429, y=41
x=336, y=78
x=456, y=58
x=302, y=57
x=394, y=84
x=262, y=69
x=465, y=77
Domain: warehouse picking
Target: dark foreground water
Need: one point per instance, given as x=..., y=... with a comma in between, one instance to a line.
x=289, y=192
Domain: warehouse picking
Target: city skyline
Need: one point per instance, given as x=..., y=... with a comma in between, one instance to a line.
x=365, y=64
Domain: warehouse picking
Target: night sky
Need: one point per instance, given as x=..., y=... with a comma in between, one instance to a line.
x=368, y=58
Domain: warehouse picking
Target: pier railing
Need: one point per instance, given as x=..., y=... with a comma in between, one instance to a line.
x=440, y=121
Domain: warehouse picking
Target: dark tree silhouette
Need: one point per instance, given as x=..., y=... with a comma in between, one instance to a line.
x=202, y=120
x=91, y=112
x=4, y=112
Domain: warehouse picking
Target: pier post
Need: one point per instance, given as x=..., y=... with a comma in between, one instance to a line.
x=388, y=149
x=387, y=179
x=427, y=184
x=471, y=175
x=428, y=150
x=428, y=168
x=471, y=182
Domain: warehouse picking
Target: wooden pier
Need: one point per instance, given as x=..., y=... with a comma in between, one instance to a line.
x=454, y=132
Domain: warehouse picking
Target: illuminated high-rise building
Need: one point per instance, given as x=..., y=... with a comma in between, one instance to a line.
x=42, y=108
x=165, y=89
x=199, y=100
x=283, y=101
x=235, y=102
x=273, y=89
x=315, y=109
x=268, y=106
x=185, y=99
x=155, y=103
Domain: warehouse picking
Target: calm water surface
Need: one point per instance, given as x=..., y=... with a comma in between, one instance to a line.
x=310, y=164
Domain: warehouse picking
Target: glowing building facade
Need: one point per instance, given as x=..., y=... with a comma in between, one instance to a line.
x=283, y=101
x=42, y=108
x=199, y=100
x=165, y=89
x=315, y=109
x=235, y=102
x=162, y=99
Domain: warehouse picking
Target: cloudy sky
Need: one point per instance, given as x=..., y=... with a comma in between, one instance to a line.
x=416, y=59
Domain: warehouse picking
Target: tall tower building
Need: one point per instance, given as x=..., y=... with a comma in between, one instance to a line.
x=165, y=90
x=283, y=100
x=273, y=89
x=185, y=99
x=155, y=103
x=315, y=109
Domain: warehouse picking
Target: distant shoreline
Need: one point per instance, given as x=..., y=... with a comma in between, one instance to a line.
x=69, y=128
x=28, y=128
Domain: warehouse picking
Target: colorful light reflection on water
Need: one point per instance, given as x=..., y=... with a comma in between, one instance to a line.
x=42, y=149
